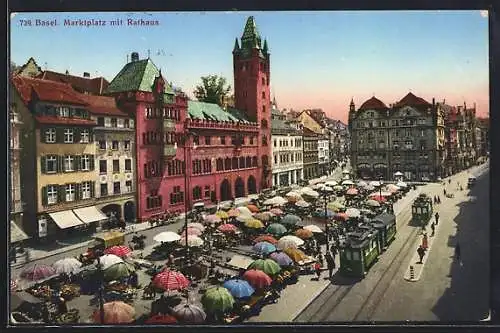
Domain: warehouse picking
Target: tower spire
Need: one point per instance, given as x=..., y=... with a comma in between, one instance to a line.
x=236, y=45
x=251, y=37
x=265, y=49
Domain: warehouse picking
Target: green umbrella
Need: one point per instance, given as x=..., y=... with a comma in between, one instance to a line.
x=276, y=229
x=268, y=266
x=117, y=271
x=290, y=219
x=217, y=300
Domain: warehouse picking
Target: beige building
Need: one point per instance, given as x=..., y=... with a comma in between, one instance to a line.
x=57, y=160
x=115, y=158
x=406, y=137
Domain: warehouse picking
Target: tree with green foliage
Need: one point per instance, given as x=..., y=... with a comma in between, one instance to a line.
x=213, y=89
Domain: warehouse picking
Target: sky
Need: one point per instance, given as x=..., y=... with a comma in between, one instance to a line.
x=318, y=59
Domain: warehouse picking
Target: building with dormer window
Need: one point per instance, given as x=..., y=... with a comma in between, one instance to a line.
x=406, y=137
x=57, y=160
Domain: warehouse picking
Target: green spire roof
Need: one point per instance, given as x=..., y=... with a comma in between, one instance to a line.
x=236, y=46
x=265, y=49
x=251, y=37
x=137, y=76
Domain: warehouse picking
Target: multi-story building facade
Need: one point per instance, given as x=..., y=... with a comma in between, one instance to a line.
x=218, y=153
x=16, y=202
x=58, y=158
x=483, y=137
x=310, y=157
x=461, y=137
x=115, y=165
x=287, y=150
x=406, y=137
x=324, y=155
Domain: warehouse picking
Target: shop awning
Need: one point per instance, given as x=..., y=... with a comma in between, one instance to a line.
x=90, y=214
x=16, y=233
x=65, y=219
x=240, y=262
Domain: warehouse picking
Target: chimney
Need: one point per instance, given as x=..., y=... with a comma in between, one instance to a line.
x=134, y=57
x=86, y=74
x=433, y=101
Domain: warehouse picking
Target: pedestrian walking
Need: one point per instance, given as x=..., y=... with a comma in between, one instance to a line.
x=433, y=228
x=439, y=199
x=436, y=216
x=444, y=192
x=425, y=242
x=421, y=253
x=317, y=269
x=321, y=259
x=330, y=262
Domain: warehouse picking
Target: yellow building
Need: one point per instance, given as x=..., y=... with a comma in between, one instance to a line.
x=58, y=159
x=309, y=122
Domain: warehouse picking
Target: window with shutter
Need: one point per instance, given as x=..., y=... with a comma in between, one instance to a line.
x=91, y=162
x=92, y=189
x=43, y=137
x=43, y=164
x=60, y=135
x=78, y=191
x=76, y=135
x=44, y=196
x=78, y=163
x=61, y=191
x=60, y=163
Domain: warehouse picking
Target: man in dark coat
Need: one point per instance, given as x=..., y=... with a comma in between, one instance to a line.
x=436, y=216
x=330, y=262
x=421, y=253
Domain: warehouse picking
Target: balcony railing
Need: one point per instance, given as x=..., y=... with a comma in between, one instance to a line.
x=169, y=151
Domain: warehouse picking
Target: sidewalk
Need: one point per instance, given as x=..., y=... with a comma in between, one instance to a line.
x=37, y=254
x=419, y=268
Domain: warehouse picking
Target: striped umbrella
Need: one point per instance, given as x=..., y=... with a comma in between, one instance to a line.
x=217, y=300
x=264, y=248
x=37, y=272
x=295, y=254
x=170, y=280
x=118, y=250
x=281, y=258
x=189, y=314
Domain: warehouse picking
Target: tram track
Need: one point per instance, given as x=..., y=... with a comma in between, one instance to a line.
x=341, y=292
x=396, y=263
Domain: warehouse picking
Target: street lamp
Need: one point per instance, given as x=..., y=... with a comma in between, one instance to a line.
x=100, y=273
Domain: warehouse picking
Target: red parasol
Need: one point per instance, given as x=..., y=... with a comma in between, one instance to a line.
x=170, y=280
x=257, y=279
x=227, y=228
x=118, y=250
x=115, y=313
x=161, y=319
x=378, y=198
x=253, y=208
x=266, y=238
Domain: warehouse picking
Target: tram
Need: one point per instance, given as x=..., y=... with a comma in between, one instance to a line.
x=422, y=210
x=385, y=224
x=359, y=252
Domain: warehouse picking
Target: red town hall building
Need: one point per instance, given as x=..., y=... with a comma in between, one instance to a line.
x=224, y=151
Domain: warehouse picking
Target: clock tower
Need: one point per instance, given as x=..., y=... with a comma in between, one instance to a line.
x=251, y=66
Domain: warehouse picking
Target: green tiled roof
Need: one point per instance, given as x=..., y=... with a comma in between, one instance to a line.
x=210, y=111
x=137, y=76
